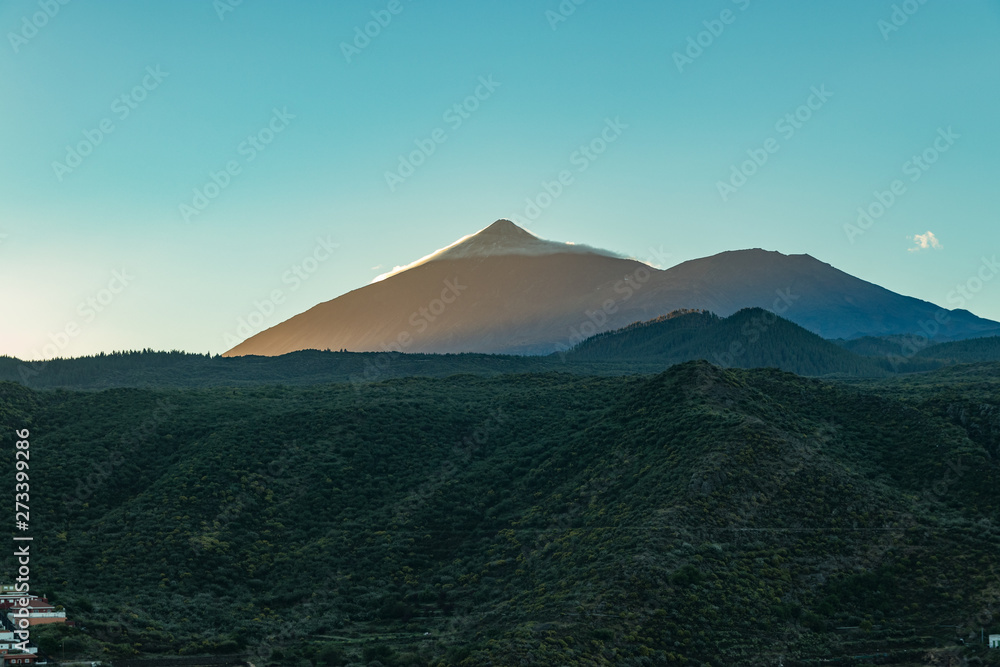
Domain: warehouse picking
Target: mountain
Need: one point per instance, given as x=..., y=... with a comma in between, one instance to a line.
x=811, y=293
x=503, y=290
x=749, y=338
x=699, y=516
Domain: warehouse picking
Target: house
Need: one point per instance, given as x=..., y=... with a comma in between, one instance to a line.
x=10, y=651
x=8, y=594
x=39, y=611
x=10, y=654
x=994, y=641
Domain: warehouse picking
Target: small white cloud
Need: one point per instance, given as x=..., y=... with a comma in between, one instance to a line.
x=925, y=242
x=396, y=269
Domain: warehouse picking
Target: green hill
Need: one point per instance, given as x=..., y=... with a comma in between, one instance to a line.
x=963, y=351
x=917, y=353
x=698, y=516
x=882, y=346
x=308, y=367
x=750, y=338
x=147, y=368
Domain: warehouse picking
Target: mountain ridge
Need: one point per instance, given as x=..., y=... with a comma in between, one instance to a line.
x=504, y=290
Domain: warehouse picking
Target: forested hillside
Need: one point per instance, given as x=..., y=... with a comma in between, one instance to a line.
x=750, y=338
x=918, y=353
x=148, y=368
x=698, y=516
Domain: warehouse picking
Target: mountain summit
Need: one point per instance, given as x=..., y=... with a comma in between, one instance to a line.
x=504, y=290
x=506, y=230
x=503, y=237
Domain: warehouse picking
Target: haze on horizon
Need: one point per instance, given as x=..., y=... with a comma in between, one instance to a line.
x=609, y=126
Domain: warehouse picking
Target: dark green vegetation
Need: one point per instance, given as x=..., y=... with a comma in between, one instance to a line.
x=179, y=369
x=750, y=338
x=694, y=516
x=918, y=353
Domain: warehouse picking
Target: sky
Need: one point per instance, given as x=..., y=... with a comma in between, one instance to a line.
x=168, y=169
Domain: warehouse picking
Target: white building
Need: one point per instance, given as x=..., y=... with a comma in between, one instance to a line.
x=994, y=641
x=9, y=595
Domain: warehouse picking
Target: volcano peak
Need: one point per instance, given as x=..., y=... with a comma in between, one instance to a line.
x=503, y=237
x=506, y=229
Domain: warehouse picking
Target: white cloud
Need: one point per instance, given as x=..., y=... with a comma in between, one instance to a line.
x=925, y=242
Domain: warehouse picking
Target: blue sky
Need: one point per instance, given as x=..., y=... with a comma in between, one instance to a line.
x=308, y=130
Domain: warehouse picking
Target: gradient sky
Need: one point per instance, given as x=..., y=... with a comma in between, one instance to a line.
x=655, y=188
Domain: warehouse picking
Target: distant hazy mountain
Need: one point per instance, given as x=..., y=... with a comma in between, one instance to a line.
x=824, y=299
x=505, y=290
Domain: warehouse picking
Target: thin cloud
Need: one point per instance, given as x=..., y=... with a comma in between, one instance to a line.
x=925, y=242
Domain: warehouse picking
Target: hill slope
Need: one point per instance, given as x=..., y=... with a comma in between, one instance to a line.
x=750, y=338
x=917, y=353
x=613, y=527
